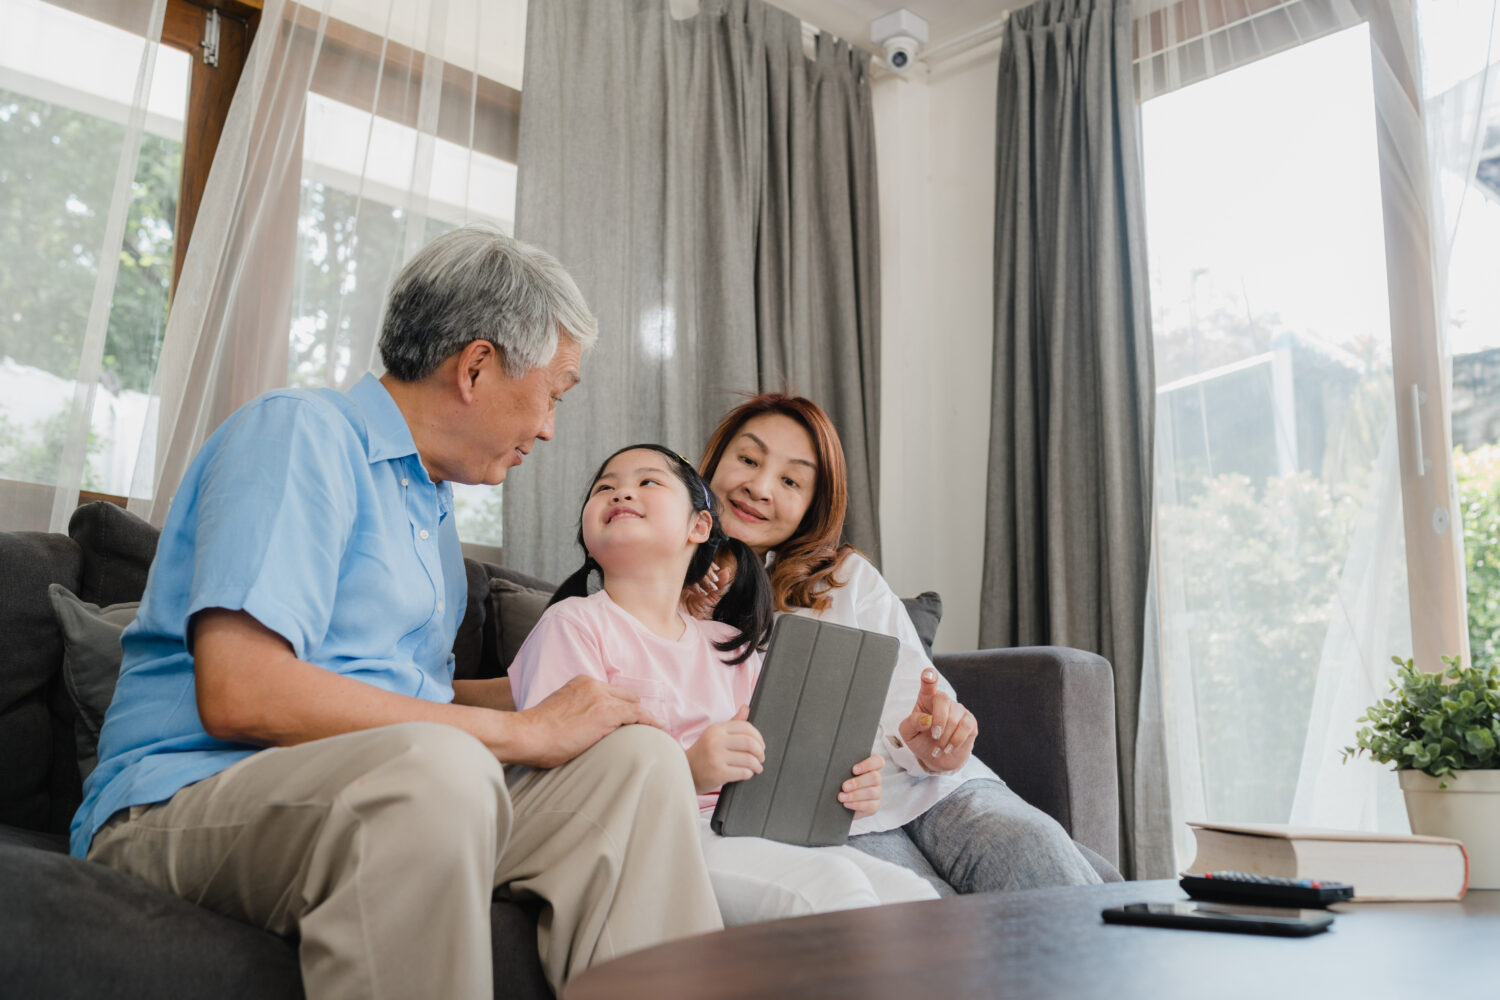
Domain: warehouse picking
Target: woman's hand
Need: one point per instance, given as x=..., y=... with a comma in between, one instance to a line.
x=700, y=598
x=940, y=731
x=727, y=751
x=861, y=793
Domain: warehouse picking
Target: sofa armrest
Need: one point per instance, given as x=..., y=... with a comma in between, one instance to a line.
x=1047, y=726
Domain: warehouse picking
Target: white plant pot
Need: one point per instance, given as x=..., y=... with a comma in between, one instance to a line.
x=1467, y=810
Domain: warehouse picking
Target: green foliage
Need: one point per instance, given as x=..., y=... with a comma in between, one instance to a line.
x=480, y=520
x=32, y=456
x=1258, y=569
x=1437, y=723
x=57, y=170
x=1478, y=475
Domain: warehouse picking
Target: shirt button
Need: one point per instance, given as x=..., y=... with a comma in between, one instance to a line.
x=422, y=533
x=403, y=480
x=440, y=605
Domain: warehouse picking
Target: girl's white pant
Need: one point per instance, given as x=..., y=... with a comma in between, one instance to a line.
x=757, y=879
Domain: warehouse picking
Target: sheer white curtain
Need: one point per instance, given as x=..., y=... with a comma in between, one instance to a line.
x=359, y=130
x=53, y=331
x=1279, y=433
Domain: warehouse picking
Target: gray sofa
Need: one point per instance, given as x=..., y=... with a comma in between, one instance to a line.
x=70, y=928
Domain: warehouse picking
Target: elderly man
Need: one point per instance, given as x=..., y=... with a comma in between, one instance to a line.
x=287, y=744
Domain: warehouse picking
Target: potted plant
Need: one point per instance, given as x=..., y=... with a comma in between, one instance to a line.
x=1442, y=732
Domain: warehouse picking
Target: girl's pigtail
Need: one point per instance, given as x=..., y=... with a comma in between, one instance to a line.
x=746, y=605
x=576, y=585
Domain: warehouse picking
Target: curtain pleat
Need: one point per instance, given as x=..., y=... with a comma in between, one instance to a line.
x=712, y=190
x=1069, y=505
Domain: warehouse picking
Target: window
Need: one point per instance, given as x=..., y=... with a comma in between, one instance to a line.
x=1275, y=398
x=68, y=80
x=395, y=145
x=354, y=227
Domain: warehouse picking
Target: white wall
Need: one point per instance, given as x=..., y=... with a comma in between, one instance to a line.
x=935, y=152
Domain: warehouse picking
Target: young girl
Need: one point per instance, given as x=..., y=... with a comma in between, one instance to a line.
x=649, y=524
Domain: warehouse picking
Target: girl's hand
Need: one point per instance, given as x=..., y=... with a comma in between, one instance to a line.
x=940, y=731
x=727, y=751
x=861, y=793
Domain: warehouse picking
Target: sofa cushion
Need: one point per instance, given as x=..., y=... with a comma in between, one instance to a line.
x=514, y=610
x=77, y=929
x=91, y=663
x=117, y=551
x=926, y=613
x=469, y=644
x=37, y=791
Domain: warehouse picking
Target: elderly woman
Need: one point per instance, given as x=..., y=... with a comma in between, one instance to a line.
x=778, y=467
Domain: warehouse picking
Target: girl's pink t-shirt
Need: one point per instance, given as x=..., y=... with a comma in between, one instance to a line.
x=684, y=682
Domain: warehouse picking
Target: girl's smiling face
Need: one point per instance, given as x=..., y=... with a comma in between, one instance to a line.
x=638, y=508
x=767, y=478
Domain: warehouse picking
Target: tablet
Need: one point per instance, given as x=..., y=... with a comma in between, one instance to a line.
x=817, y=705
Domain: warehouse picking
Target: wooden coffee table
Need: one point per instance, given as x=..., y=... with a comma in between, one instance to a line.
x=1052, y=943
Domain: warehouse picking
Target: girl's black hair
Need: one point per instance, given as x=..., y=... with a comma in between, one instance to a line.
x=745, y=605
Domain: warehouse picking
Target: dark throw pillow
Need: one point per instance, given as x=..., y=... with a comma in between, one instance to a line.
x=91, y=663
x=514, y=609
x=925, y=611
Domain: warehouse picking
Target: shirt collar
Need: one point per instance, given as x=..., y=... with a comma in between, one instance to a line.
x=389, y=436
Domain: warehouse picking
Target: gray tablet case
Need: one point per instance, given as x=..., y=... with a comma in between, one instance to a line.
x=817, y=705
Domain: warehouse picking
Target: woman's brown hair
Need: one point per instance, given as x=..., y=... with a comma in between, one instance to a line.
x=805, y=563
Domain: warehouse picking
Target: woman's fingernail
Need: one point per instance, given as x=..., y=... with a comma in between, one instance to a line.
x=937, y=732
x=924, y=721
x=948, y=750
x=935, y=752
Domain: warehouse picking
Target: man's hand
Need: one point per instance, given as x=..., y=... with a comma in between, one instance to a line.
x=569, y=721
x=861, y=793
x=727, y=751
x=939, y=730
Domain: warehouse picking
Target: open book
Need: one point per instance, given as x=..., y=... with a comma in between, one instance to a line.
x=1380, y=866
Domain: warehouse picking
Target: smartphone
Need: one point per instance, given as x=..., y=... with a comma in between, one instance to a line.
x=1221, y=917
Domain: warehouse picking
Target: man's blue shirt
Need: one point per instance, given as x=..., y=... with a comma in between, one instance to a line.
x=311, y=511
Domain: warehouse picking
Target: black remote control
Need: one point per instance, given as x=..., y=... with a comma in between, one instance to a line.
x=1265, y=890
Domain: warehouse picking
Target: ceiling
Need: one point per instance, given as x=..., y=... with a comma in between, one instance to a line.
x=946, y=19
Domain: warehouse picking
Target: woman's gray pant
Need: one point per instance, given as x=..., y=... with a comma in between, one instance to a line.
x=982, y=837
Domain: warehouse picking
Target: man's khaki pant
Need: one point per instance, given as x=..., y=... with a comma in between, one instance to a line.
x=381, y=850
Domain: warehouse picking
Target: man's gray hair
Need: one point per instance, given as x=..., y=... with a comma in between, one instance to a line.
x=476, y=283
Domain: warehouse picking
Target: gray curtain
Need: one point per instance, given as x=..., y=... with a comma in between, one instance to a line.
x=712, y=189
x=1069, y=508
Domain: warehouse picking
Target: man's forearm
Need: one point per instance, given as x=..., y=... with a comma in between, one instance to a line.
x=251, y=688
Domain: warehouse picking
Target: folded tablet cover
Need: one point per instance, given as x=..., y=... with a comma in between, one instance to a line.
x=817, y=705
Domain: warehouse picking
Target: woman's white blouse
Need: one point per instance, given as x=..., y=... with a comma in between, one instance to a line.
x=866, y=601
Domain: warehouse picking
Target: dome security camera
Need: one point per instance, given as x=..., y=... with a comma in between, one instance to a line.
x=902, y=34
x=901, y=50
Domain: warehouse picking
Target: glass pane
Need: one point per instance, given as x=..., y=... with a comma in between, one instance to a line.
x=1275, y=442
x=65, y=87
x=1462, y=79
x=355, y=230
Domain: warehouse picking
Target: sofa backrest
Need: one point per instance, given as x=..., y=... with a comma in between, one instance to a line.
x=105, y=559
x=35, y=713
